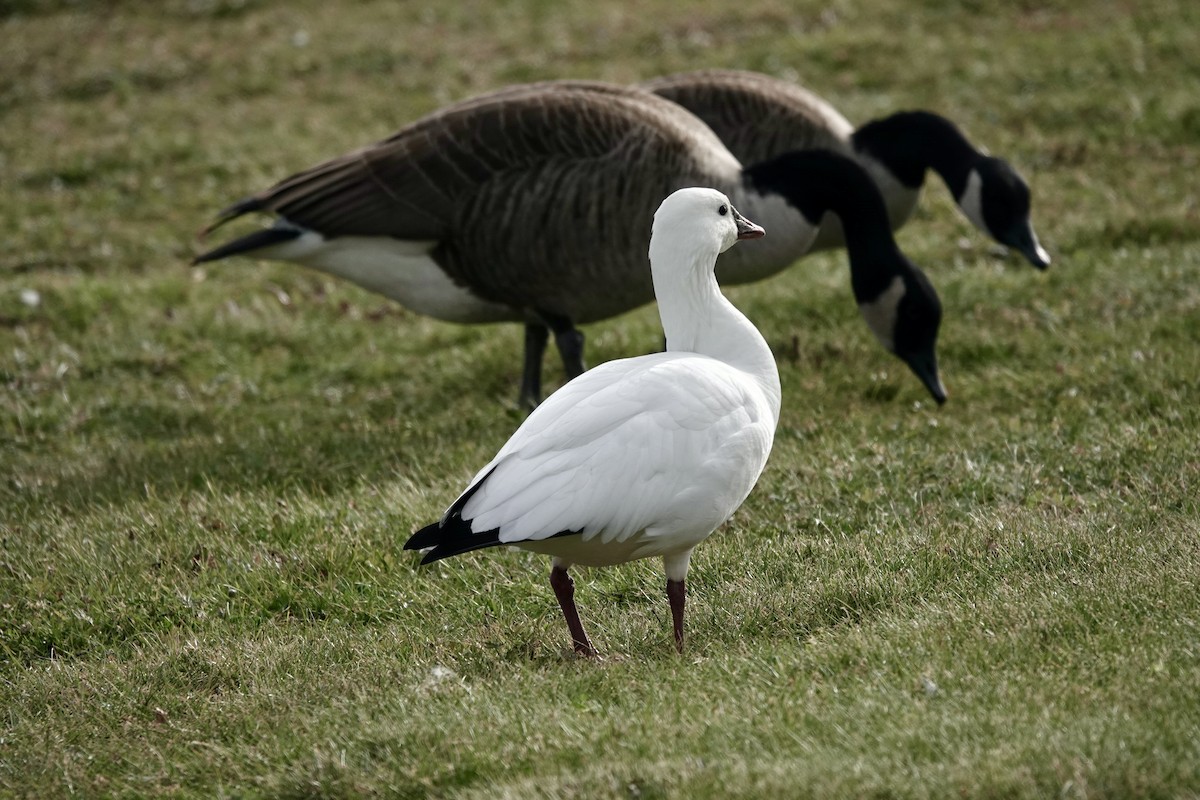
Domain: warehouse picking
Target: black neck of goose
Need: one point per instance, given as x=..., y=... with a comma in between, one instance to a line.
x=815, y=182
x=910, y=142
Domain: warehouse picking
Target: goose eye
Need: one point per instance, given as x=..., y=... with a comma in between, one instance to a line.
x=723, y=210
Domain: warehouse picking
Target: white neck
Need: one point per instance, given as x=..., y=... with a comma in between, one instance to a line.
x=697, y=318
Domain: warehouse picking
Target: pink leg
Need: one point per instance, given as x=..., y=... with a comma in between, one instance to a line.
x=564, y=590
x=677, y=596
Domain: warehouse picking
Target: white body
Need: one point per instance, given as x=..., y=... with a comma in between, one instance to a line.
x=645, y=456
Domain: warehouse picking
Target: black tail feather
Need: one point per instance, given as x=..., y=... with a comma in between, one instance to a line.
x=248, y=243
x=234, y=211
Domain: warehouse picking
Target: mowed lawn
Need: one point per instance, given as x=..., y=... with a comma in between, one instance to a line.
x=206, y=475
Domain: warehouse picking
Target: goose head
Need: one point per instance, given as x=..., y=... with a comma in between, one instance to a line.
x=988, y=190
x=905, y=318
x=697, y=222
x=996, y=200
x=897, y=301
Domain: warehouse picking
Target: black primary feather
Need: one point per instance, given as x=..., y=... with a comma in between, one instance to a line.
x=452, y=535
x=249, y=243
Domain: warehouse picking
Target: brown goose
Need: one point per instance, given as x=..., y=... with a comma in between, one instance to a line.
x=534, y=204
x=759, y=117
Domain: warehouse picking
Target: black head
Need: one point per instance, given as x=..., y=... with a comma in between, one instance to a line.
x=905, y=317
x=996, y=199
x=897, y=301
x=918, y=317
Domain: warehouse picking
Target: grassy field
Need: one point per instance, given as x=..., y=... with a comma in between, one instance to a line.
x=206, y=475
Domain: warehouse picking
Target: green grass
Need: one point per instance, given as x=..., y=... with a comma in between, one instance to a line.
x=206, y=475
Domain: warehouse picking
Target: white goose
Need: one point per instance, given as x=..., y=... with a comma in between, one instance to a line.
x=534, y=203
x=759, y=117
x=644, y=456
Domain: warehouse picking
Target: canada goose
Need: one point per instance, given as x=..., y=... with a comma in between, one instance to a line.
x=644, y=456
x=533, y=204
x=759, y=117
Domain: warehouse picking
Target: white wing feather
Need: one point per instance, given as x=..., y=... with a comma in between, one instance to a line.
x=666, y=445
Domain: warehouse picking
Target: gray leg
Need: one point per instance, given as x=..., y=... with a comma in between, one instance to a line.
x=570, y=343
x=536, y=336
x=570, y=347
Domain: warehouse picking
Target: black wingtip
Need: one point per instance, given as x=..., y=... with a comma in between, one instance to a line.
x=438, y=553
x=233, y=212
x=426, y=537
x=452, y=534
x=433, y=538
x=249, y=243
x=450, y=538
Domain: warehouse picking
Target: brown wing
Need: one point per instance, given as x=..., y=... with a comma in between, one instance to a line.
x=568, y=228
x=756, y=116
x=536, y=194
x=412, y=184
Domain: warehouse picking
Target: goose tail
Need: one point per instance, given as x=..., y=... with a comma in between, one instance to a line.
x=245, y=206
x=249, y=243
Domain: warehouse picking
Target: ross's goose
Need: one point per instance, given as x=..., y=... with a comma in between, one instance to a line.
x=759, y=117
x=533, y=204
x=644, y=456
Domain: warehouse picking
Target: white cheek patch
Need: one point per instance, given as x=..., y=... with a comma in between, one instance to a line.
x=971, y=202
x=881, y=313
x=1041, y=251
